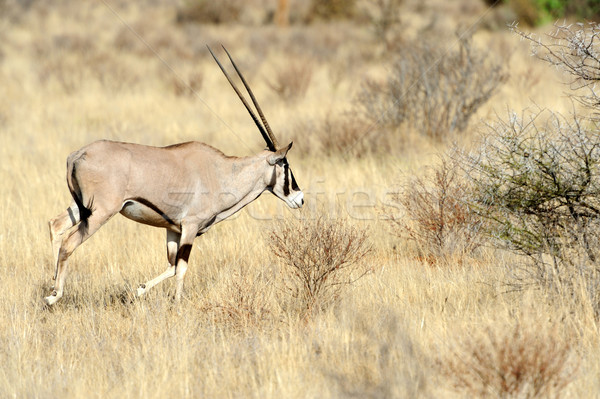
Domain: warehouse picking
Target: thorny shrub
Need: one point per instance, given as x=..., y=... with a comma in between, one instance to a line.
x=529, y=359
x=538, y=184
x=320, y=257
x=537, y=176
x=437, y=218
x=573, y=49
x=431, y=90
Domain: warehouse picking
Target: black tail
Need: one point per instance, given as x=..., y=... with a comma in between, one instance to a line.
x=75, y=189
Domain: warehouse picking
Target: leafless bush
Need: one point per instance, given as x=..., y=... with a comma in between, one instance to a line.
x=384, y=16
x=538, y=184
x=319, y=257
x=331, y=9
x=527, y=360
x=343, y=134
x=293, y=79
x=216, y=12
x=432, y=90
x=575, y=50
x=437, y=218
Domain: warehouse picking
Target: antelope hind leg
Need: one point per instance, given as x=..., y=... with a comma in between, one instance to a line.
x=58, y=226
x=69, y=244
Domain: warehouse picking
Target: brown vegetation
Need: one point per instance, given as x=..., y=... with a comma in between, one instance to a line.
x=252, y=324
x=320, y=258
x=437, y=217
x=524, y=358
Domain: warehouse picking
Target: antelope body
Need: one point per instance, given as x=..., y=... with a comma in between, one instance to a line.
x=185, y=188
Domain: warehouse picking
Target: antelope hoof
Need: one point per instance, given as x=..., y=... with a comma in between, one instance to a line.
x=52, y=298
x=141, y=290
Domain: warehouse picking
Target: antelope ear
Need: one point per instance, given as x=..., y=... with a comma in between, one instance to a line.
x=279, y=154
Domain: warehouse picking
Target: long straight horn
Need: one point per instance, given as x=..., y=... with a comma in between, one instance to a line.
x=254, y=101
x=270, y=144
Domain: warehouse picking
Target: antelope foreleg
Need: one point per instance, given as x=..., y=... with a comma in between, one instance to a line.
x=143, y=288
x=183, y=255
x=172, y=248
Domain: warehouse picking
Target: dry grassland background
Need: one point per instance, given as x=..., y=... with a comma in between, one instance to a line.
x=73, y=72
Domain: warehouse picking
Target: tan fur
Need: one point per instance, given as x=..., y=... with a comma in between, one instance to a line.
x=185, y=188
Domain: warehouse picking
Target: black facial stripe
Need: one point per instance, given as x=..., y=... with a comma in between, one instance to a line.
x=286, y=179
x=156, y=209
x=294, y=184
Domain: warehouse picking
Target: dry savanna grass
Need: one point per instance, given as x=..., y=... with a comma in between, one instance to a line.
x=73, y=73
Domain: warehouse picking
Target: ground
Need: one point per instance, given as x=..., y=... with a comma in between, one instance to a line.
x=73, y=74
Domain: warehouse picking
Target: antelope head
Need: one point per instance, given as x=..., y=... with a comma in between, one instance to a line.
x=279, y=176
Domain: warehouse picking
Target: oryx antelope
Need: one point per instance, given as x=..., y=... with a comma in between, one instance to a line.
x=185, y=188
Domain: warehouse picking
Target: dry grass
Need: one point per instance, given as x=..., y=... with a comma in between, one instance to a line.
x=522, y=358
x=70, y=75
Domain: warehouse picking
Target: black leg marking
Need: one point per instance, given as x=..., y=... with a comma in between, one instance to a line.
x=71, y=216
x=184, y=252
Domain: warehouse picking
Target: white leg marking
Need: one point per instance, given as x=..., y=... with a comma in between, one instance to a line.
x=143, y=288
x=52, y=298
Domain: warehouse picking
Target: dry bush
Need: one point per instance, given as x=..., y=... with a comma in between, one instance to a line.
x=292, y=80
x=320, y=257
x=529, y=359
x=344, y=135
x=207, y=11
x=432, y=90
x=384, y=16
x=437, y=218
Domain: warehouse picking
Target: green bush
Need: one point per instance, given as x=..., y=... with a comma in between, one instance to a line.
x=539, y=12
x=536, y=179
x=331, y=9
